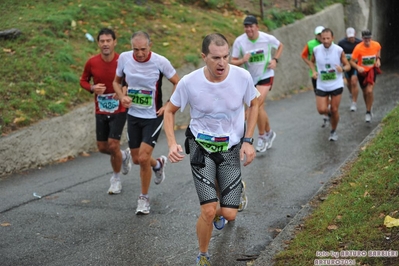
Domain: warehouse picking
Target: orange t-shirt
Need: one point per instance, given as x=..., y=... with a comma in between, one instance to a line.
x=305, y=52
x=366, y=56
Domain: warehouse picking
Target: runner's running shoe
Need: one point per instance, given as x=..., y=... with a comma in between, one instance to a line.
x=126, y=164
x=244, y=199
x=116, y=186
x=270, y=139
x=368, y=117
x=262, y=145
x=160, y=173
x=333, y=136
x=219, y=222
x=203, y=260
x=143, y=205
x=326, y=120
x=353, y=107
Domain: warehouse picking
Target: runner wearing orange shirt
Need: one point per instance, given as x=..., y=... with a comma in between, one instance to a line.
x=366, y=59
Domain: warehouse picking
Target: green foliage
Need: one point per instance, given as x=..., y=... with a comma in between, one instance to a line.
x=69, y=77
x=192, y=59
x=211, y=4
x=277, y=18
x=58, y=108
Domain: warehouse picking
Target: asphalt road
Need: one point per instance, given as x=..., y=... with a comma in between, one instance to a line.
x=76, y=223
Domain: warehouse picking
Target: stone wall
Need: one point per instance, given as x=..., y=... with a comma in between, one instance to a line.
x=68, y=136
x=292, y=72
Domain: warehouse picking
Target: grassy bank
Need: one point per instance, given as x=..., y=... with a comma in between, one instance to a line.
x=352, y=216
x=41, y=69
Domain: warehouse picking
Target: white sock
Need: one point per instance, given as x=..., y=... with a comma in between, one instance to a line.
x=158, y=166
x=116, y=176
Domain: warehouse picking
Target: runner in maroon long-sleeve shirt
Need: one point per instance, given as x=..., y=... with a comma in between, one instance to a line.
x=97, y=78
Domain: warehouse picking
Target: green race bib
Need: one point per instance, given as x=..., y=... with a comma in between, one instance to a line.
x=141, y=97
x=213, y=143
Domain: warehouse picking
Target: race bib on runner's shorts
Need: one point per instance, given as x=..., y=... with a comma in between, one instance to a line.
x=213, y=143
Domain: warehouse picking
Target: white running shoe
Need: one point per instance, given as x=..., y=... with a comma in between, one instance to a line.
x=333, y=136
x=270, y=139
x=143, y=205
x=126, y=164
x=262, y=145
x=368, y=117
x=353, y=107
x=244, y=198
x=116, y=186
x=160, y=173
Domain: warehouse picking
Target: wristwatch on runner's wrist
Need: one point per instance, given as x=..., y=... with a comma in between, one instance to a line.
x=249, y=140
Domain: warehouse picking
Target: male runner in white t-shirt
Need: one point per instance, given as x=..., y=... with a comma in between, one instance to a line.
x=216, y=94
x=253, y=50
x=331, y=62
x=143, y=71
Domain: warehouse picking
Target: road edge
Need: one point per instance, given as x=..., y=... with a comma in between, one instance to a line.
x=279, y=243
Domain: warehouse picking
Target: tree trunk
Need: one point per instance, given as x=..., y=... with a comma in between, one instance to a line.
x=261, y=9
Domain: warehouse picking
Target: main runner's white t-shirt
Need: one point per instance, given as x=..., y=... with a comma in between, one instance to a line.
x=260, y=50
x=144, y=81
x=216, y=108
x=327, y=59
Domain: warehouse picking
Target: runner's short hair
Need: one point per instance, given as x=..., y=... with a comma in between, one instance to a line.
x=217, y=38
x=106, y=31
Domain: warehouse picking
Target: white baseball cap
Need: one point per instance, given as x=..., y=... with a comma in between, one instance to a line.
x=350, y=32
x=318, y=30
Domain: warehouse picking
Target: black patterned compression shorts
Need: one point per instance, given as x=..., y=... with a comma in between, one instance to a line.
x=227, y=175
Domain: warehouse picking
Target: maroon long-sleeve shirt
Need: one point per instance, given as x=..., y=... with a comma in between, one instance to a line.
x=101, y=72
